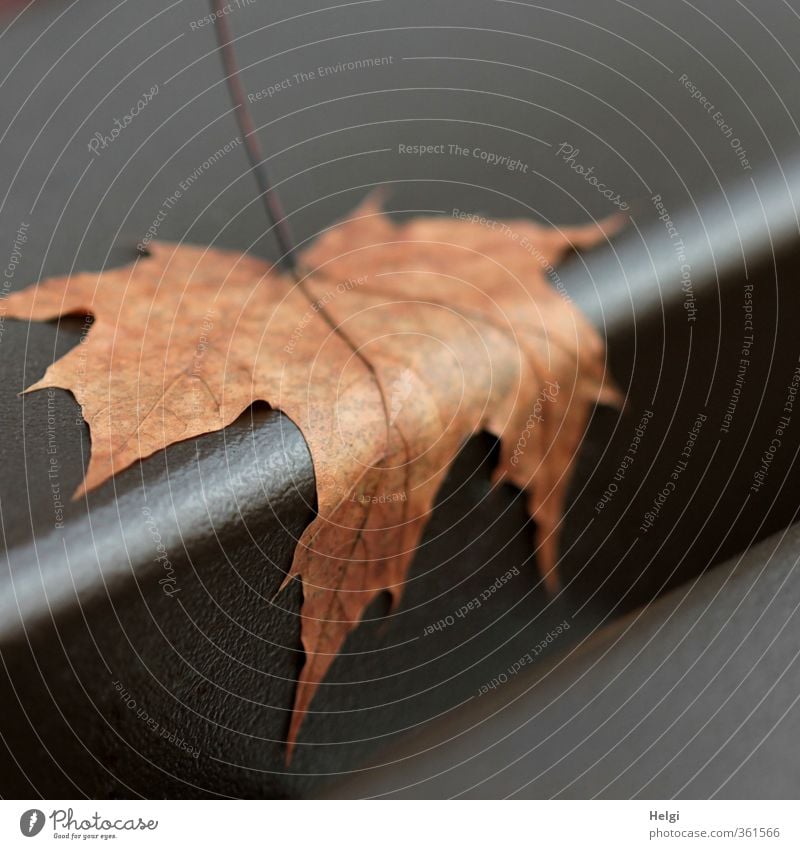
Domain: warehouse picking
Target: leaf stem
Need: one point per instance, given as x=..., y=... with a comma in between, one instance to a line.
x=269, y=196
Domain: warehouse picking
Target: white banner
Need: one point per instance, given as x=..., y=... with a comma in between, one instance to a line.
x=389, y=824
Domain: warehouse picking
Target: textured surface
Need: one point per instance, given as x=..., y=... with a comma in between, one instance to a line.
x=696, y=696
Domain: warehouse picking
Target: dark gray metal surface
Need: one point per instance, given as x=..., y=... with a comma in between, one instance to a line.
x=694, y=697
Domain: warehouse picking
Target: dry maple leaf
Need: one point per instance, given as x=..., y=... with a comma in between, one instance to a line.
x=400, y=342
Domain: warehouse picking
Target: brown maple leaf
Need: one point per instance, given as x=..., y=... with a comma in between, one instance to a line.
x=398, y=344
